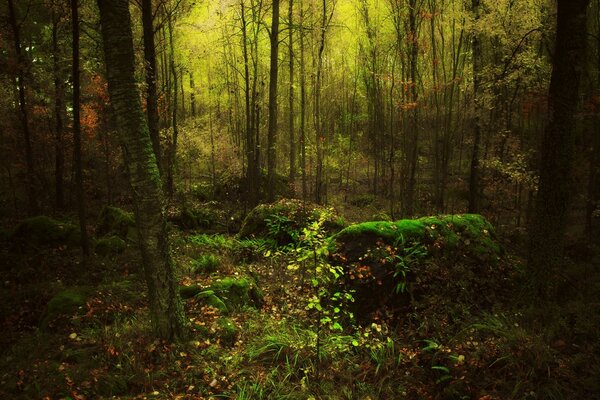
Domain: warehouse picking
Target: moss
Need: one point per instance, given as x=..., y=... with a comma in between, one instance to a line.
x=233, y=293
x=43, y=230
x=187, y=292
x=109, y=245
x=284, y=220
x=237, y=293
x=227, y=331
x=209, y=298
x=206, y=263
x=381, y=257
x=114, y=221
x=68, y=301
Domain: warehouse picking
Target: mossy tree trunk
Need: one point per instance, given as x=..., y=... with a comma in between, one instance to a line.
x=150, y=66
x=165, y=307
x=558, y=144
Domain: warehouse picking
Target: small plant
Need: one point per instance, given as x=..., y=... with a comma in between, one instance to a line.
x=206, y=263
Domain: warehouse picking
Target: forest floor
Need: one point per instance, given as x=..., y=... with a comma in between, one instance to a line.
x=488, y=344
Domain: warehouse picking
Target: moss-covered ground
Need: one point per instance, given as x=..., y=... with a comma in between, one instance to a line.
x=75, y=331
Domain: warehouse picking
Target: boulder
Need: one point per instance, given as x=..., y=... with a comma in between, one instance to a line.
x=382, y=258
x=109, y=245
x=114, y=221
x=284, y=220
x=227, y=294
x=43, y=230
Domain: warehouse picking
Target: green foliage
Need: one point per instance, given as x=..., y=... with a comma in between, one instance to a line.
x=115, y=221
x=42, y=230
x=284, y=220
x=207, y=263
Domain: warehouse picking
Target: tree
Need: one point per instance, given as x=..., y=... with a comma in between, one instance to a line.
x=477, y=66
x=272, y=133
x=558, y=144
x=165, y=306
x=23, y=111
x=77, y=130
x=150, y=66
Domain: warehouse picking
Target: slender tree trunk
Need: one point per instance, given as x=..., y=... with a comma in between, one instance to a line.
x=59, y=156
x=319, y=128
x=32, y=204
x=150, y=65
x=166, y=311
x=77, y=131
x=272, y=132
x=173, y=148
x=302, y=105
x=291, y=98
x=558, y=144
x=477, y=65
x=192, y=95
x=413, y=159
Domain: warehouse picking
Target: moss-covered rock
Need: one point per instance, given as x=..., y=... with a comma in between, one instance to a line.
x=284, y=220
x=227, y=331
x=381, y=257
x=109, y=245
x=209, y=298
x=226, y=294
x=114, y=221
x=67, y=302
x=43, y=230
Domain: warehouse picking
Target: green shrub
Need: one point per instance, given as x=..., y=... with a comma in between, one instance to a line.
x=284, y=220
x=206, y=263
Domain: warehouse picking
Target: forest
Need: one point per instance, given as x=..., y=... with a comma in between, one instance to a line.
x=300, y=199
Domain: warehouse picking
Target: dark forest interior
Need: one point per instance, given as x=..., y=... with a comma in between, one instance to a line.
x=300, y=199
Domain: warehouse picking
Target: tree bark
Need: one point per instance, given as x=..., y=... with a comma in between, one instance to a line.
x=558, y=144
x=59, y=106
x=77, y=131
x=165, y=306
x=150, y=66
x=272, y=132
x=23, y=112
x=477, y=65
x=292, y=175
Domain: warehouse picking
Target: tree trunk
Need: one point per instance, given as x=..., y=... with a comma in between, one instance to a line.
x=558, y=143
x=477, y=65
x=23, y=113
x=272, y=132
x=77, y=131
x=59, y=106
x=165, y=307
x=292, y=175
x=150, y=65
x=173, y=148
x=192, y=95
x=302, y=105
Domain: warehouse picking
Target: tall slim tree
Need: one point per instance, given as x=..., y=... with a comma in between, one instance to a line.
x=150, y=66
x=23, y=111
x=291, y=94
x=477, y=67
x=272, y=132
x=59, y=109
x=165, y=306
x=77, y=130
x=558, y=144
